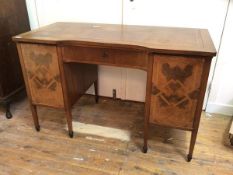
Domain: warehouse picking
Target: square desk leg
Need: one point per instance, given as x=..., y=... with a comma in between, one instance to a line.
x=147, y=103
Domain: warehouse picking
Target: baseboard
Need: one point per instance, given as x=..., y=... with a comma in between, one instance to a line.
x=107, y=97
x=219, y=108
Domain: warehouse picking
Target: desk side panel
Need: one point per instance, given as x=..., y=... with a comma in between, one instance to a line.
x=79, y=77
x=42, y=74
x=175, y=90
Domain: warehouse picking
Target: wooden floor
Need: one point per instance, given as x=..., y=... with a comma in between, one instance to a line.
x=24, y=151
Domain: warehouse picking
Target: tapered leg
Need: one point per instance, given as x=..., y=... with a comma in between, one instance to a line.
x=69, y=122
x=35, y=117
x=96, y=91
x=192, y=144
x=231, y=140
x=146, y=125
x=197, y=118
x=147, y=103
x=145, y=146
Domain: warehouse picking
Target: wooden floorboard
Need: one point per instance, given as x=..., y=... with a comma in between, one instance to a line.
x=50, y=151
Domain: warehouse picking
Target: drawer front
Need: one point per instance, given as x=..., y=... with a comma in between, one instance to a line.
x=42, y=74
x=105, y=56
x=175, y=90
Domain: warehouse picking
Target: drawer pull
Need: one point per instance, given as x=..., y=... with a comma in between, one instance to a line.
x=104, y=55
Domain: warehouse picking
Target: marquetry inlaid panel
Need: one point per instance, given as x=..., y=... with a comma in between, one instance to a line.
x=42, y=71
x=175, y=89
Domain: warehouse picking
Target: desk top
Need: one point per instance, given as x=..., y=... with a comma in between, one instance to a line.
x=154, y=39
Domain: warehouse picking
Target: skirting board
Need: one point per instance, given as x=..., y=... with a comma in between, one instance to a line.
x=219, y=109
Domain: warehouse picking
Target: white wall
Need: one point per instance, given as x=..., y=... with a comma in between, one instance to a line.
x=31, y=7
x=221, y=95
x=102, y=11
x=208, y=14
x=130, y=83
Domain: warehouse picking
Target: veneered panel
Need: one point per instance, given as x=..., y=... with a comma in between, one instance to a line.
x=168, y=40
x=104, y=56
x=42, y=71
x=175, y=89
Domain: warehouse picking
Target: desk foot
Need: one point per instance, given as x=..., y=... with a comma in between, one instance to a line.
x=96, y=91
x=37, y=128
x=71, y=134
x=35, y=117
x=189, y=158
x=8, y=114
x=96, y=99
x=231, y=140
x=144, y=149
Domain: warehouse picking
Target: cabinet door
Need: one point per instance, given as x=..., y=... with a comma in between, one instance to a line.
x=42, y=74
x=175, y=89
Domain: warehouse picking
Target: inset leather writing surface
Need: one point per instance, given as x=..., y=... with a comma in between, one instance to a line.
x=175, y=90
x=155, y=39
x=43, y=76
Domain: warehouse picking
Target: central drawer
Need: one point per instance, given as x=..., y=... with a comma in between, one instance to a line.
x=105, y=56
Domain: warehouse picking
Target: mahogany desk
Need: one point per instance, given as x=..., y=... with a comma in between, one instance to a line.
x=60, y=61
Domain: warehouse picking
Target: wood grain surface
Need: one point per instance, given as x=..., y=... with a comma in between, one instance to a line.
x=24, y=151
x=175, y=90
x=178, y=57
x=155, y=39
x=104, y=56
x=42, y=74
